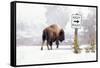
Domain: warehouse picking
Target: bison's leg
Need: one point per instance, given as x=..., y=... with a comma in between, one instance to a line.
x=57, y=43
x=47, y=45
x=51, y=45
x=42, y=45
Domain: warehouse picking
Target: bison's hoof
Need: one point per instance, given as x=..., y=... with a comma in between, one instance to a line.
x=48, y=49
x=41, y=48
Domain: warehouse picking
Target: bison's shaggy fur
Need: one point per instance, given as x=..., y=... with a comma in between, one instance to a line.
x=51, y=34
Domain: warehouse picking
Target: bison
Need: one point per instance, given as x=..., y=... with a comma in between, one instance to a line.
x=52, y=33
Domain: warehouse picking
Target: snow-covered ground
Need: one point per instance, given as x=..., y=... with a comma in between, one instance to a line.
x=33, y=55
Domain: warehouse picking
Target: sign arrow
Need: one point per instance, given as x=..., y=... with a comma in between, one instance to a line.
x=77, y=21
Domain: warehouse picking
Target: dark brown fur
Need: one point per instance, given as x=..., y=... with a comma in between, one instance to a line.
x=52, y=34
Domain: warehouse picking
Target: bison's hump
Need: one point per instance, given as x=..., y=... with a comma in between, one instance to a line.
x=53, y=29
x=55, y=26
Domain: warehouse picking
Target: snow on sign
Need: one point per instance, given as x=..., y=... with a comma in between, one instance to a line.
x=76, y=21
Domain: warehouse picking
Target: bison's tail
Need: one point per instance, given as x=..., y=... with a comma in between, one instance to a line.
x=43, y=39
x=44, y=36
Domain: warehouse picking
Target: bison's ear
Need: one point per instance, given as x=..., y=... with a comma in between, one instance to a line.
x=61, y=35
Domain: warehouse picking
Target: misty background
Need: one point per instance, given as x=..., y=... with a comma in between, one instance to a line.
x=33, y=18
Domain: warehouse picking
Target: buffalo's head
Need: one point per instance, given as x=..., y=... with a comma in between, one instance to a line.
x=61, y=35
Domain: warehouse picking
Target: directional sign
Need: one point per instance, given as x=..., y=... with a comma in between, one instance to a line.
x=76, y=21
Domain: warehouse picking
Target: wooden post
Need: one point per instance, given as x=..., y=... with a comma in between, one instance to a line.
x=76, y=46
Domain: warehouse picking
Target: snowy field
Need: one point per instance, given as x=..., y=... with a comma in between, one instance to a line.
x=33, y=55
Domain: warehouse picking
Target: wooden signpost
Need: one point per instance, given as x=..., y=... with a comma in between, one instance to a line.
x=76, y=24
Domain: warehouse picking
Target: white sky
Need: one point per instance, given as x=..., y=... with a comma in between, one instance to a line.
x=34, y=17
